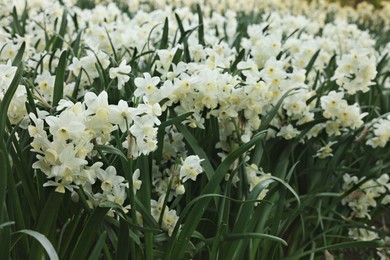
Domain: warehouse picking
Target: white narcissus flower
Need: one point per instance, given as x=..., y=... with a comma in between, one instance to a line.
x=191, y=168
x=45, y=83
x=169, y=220
x=156, y=207
x=7, y=72
x=288, y=132
x=60, y=187
x=136, y=182
x=110, y=179
x=121, y=73
x=325, y=151
x=66, y=125
x=146, y=85
x=122, y=115
x=381, y=133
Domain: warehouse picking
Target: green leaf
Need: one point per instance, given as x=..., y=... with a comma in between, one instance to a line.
x=6, y=224
x=311, y=62
x=5, y=102
x=16, y=24
x=183, y=38
x=123, y=241
x=201, y=27
x=87, y=236
x=59, y=37
x=239, y=58
x=5, y=171
x=58, y=92
x=51, y=252
x=110, y=149
x=249, y=235
x=18, y=58
x=164, y=38
x=47, y=219
x=285, y=184
x=95, y=254
x=145, y=197
x=76, y=43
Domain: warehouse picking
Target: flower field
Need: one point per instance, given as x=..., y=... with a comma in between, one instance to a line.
x=167, y=129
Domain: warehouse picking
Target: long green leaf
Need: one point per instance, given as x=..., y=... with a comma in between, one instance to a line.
x=18, y=58
x=59, y=38
x=87, y=236
x=5, y=102
x=201, y=27
x=123, y=241
x=51, y=252
x=47, y=220
x=243, y=236
x=58, y=91
x=110, y=149
x=145, y=197
x=164, y=38
x=4, y=230
x=311, y=62
x=95, y=254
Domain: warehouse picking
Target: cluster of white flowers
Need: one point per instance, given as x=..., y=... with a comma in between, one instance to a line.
x=380, y=135
x=169, y=216
x=355, y=72
x=366, y=195
x=255, y=176
x=65, y=153
x=339, y=113
x=363, y=198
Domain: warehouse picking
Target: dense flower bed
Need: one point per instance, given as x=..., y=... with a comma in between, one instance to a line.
x=238, y=129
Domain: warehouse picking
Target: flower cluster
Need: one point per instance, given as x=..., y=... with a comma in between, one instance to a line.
x=355, y=72
x=65, y=152
x=381, y=133
x=367, y=195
